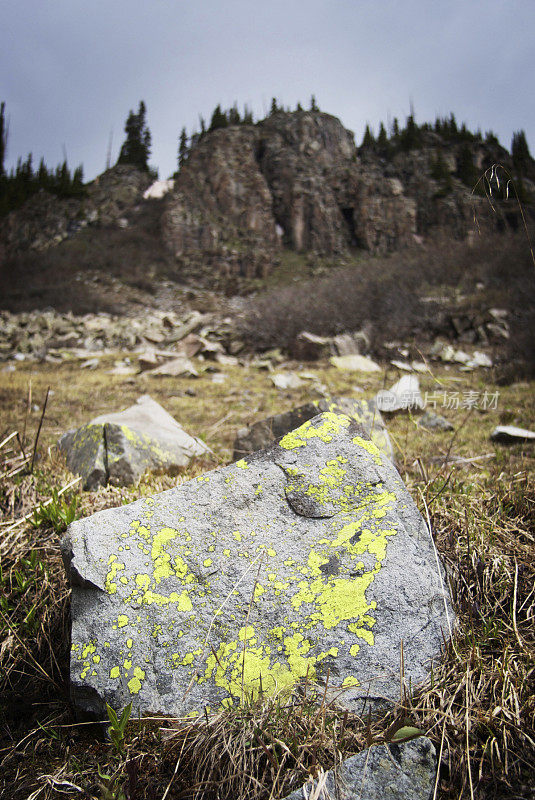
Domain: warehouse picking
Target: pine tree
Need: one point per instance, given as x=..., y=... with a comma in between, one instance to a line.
x=520, y=152
x=182, y=148
x=395, y=128
x=3, y=138
x=274, y=107
x=299, y=107
x=233, y=115
x=368, y=140
x=410, y=137
x=136, y=148
x=247, y=118
x=219, y=119
x=313, y=104
x=466, y=169
x=382, y=141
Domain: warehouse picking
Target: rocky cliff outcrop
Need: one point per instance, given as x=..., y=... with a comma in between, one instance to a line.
x=45, y=220
x=293, y=179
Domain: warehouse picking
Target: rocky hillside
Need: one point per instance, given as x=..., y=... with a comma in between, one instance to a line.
x=293, y=181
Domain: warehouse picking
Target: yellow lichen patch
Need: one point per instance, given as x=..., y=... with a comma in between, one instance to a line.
x=370, y=447
x=122, y=620
x=161, y=559
x=134, y=684
x=114, y=567
x=242, y=464
x=350, y=681
x=353, y=650
x=115, y=672
x=88, y=650
x=330, y=426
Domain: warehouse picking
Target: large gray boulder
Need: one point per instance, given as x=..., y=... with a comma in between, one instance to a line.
x=306, y=560
x=384, y=772
x=119, y=447
x=262, y=433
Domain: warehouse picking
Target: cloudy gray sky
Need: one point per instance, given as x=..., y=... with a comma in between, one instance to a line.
x=70, y=71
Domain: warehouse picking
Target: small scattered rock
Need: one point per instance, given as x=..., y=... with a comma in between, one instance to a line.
x=178, y=367
x=403, y=365
x=147, y=360
x=286, y=380
x=226, y=361
x=405, y=771
x=309, y=347
x=119, y=447
x=403, y=395
x=509, y=434
x=434, y=422
x=349, y=344
x=355, y=363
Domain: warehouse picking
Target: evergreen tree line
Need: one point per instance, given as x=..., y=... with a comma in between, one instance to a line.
x=413, y=137
x=24, y=181
x=223, y=119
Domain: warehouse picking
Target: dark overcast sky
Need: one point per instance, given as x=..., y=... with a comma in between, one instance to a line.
x=70, y=71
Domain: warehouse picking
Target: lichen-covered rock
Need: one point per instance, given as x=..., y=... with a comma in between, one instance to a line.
x=307, y=560
x=384, y=772
x=118, y=448
x=262, y=433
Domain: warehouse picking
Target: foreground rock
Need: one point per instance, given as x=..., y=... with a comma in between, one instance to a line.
x=387, y=771
x=262, y=433
x=119, y=447
x=307, y=561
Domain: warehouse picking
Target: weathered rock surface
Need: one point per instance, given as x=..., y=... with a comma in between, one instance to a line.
x=307, y=559
x=119, y=447
x=292, y=179
x=384, y=772
x=261, y=434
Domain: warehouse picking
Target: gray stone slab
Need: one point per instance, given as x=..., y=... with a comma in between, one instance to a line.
x=308, y=558
x=119, y=447
x=384, y=772
x=509, y=434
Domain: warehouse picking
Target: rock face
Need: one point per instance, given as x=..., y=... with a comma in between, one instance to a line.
x=45, y=220
x=118, y=448
x=384, y=772
x=307, y=559
x=262, y=433
x=293, y=179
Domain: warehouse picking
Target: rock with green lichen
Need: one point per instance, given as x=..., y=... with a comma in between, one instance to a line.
x=262, y=433
x=307, y=561
x=118, y=448
x=394, y=771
